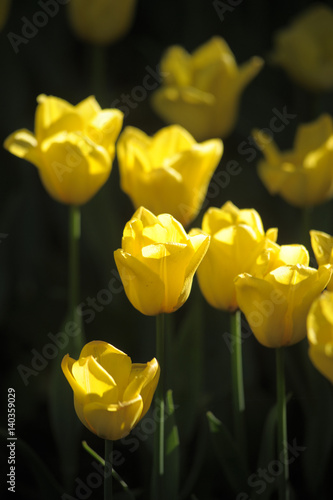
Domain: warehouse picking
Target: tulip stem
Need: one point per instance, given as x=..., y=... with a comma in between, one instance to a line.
x=282, y=443
x=108, y=464
x=74, y=276
x=159, y=445
x=237, y=382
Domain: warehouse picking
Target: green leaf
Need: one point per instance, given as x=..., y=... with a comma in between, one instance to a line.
x=172, y=458
x=48, y=485
x=232, y=463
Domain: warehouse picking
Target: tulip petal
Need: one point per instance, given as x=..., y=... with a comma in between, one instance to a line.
x=262, y=308
x=105, y=127
x=112, y=360
x=144, y=289
x=149, y=388
x=141, y=376
x=23, y=144
x=53, y=115
x=88, y=108
x=114, y=421
x=311, y=136
x=74, y=168
x=93, y=378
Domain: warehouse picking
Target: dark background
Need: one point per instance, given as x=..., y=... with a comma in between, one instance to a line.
x=33, y=255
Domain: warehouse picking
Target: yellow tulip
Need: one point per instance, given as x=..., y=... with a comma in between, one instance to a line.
x=157, y=261
x=101, y=22
x=320, y=334
x=202, y=91
x=73, y=147
x=237, y=240
x=277, y=305
x=4, y=11
x=305, y=48
x=303, y=176
x=275, y=256
x=322, y=246
x=169, y=172
x=111, y=394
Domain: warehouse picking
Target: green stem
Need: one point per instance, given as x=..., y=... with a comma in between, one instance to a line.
x=307, y=213
x=108, y=477
x=237, y=382
x=74, y=274
x=115, y=474
x=159, y=445
x=282, y=443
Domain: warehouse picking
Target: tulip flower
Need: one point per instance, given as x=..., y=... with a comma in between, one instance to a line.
x=73, y=147
x=111, y=394
x=202, y=91
x=322, y=246
x=277, y=305
x=303, y=176
x=275, y=256
x=320, y=334
x=101, y=22
x=237, y=240
x=169, y=172
x=157, y=261
x=4, y=11
x=305, y=49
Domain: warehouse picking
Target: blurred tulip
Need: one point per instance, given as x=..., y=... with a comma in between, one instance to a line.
x=111, y=394
x=320, y=334
x=322, y=246
x=101, y=22
x=305, y=48
x=157, y=261
x=237, y=240
x=169, y=172
x=277, y=305
x=202, y=91
x=303, y=176
x=73, y=147
x=4, y=11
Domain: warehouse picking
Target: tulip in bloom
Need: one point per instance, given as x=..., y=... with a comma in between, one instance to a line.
x=305, y=49
x=322, y=246
x=101, y=22
x=169, y=172
x=237, y=240
x=276, y=306
x=111, y=394
x=73, y=147
x=202, y=91
x=157, y=261
x=320, y=334
x=303, y=176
